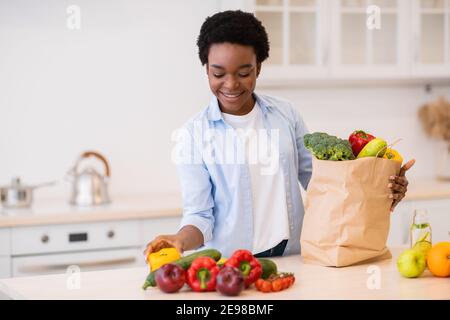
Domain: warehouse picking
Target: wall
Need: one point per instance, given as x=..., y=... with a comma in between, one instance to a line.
x=121, y=84
x=387, y=112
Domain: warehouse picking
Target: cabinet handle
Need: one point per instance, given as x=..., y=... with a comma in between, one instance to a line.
x=111, y=234
x=45, y=238
x=45, y=268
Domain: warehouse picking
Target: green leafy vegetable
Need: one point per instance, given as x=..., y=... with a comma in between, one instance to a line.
x=326, y=147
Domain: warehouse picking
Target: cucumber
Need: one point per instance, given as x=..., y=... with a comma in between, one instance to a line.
x=269, y=267
x=185, y=263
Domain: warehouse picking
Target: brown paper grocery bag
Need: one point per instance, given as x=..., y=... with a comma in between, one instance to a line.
x=347, y=211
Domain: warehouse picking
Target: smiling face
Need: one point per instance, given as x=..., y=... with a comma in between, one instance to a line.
x=232, y=71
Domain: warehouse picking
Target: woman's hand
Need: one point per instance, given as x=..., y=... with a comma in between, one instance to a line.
x=399, y=184
x=164, y=241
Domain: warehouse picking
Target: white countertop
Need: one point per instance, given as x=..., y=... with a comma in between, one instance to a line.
x=58, y=211
x=428, y=189
x=312, y=282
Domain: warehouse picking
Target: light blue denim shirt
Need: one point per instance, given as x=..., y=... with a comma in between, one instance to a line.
x=217, y=195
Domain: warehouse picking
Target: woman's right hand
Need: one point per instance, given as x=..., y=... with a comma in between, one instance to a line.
x=164, y=241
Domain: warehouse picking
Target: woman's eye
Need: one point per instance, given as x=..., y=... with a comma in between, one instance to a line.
x=218, y=75
x=244, y=75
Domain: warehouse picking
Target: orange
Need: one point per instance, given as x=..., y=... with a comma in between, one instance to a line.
x=438, y=259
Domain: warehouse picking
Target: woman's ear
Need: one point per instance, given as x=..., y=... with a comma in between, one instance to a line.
x=207, y=68
x=258, y=69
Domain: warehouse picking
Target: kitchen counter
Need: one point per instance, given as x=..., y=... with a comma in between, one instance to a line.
x=428, y=189
x=58, y=211
x=312, y=282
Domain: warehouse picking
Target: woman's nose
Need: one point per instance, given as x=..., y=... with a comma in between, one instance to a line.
x=231, y=83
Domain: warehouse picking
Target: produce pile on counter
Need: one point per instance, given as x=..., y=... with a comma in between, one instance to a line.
x=206, y=271
x=359, y=145
x=413, y=262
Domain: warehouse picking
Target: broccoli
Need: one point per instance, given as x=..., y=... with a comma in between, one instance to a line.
x=326, y=147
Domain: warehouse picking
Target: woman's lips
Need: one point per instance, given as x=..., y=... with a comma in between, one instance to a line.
x=231, y=96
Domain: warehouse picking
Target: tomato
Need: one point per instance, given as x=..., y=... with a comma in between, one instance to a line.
x=286, y=282
x=258, y=284
x=266, y=286
x=275, y=283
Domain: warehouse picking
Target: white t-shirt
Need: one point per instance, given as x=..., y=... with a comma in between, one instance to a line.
x=270, y=217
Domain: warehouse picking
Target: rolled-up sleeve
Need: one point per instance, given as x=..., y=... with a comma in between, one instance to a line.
x=196, y=186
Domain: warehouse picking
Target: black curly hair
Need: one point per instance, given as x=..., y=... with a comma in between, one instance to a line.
x=234, y=27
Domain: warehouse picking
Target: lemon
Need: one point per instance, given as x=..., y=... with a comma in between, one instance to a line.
x=423, y=246
x=424, y=237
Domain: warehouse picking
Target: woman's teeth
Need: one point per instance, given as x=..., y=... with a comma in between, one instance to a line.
x=231, y=95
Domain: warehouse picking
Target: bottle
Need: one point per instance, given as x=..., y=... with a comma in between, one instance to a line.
x=420, y=233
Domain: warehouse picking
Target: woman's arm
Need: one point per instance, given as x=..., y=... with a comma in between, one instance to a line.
x=188, y=238
x=198, y=221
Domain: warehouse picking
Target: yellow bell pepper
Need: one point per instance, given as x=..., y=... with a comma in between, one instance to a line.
x=222, y=261
x=162, y=257
x=392, y=154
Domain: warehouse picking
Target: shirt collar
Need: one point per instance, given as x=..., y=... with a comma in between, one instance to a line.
x=214, y=113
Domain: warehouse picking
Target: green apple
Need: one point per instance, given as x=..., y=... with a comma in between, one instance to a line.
x=411, y=263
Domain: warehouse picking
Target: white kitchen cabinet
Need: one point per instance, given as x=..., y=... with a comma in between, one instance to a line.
x=5, y=243
x=298, y=31
x=298, y=37
x=439, y=215
x=5, y=267
x=79, y=262
x=47, y=249
x=361, y=48
x=431, y=38
x=330, y=40
x=73, y=237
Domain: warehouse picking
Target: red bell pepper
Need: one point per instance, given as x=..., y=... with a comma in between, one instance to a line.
x=248, y=264
x=202, y=274
x=358, y=139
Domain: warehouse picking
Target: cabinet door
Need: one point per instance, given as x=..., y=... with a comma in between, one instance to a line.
x=297, y=32
x=398, y=231
x=439, y=214
x=5, y=242
x=58, y=263
x=401, y=220
x=431, y=25
x=5, y=268
x=74, y=237
x=370, y=38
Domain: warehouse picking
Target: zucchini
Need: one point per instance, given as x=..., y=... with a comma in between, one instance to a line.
x=269, y=267
x=185, y=263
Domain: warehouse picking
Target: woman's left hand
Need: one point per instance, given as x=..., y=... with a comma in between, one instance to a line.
x=398, y=185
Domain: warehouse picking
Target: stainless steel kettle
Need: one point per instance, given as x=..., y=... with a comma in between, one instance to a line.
x=88, y=186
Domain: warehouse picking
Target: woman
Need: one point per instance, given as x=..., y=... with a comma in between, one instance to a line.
x=254, y=205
